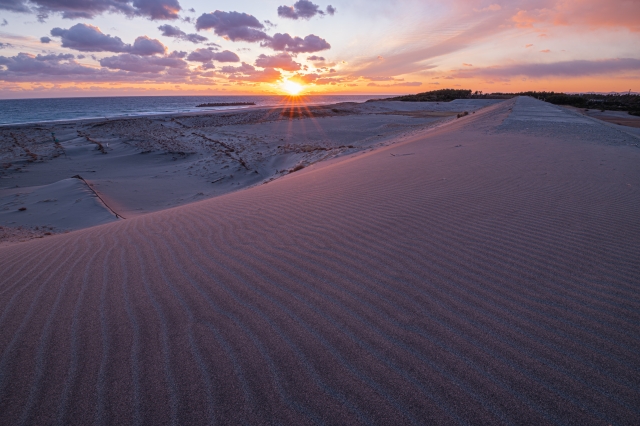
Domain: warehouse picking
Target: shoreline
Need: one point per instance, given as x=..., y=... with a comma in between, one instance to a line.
x=194, y=110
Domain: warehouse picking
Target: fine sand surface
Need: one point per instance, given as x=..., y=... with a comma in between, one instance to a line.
x=630, y=123
x=146, y=164
x=482, y=272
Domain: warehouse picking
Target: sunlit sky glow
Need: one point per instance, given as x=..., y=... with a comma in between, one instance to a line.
x=51, y=48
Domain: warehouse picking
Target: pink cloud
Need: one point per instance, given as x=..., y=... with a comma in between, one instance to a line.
x=576, y=68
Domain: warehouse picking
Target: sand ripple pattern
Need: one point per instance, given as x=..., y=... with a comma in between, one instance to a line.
x=482, y=279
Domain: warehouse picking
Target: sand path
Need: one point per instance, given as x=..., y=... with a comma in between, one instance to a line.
x=481, y=273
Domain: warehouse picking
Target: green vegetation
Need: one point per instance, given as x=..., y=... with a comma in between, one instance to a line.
x=447, y=95
x=611, y=102
x=443, y=95
x=615, y=102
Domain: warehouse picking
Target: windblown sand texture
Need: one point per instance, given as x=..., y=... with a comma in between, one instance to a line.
x=485, y=272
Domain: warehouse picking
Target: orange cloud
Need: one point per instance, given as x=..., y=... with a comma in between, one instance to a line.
x=590, y=13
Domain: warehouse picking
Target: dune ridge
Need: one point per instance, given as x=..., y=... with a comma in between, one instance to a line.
x=475, y=276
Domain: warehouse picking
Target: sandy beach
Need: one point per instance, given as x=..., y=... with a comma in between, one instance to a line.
x=379, y=263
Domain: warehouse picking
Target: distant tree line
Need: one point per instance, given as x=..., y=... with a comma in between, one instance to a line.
x=615, y=102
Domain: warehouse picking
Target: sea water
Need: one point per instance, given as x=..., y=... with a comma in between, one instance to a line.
x=18, y=111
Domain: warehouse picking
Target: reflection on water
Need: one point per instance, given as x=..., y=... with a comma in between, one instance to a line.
x=38, y=110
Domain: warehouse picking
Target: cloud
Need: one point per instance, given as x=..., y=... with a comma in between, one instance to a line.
x=147, y=46
x=403, y=84
x=87, y=38
x=268, y=75
x=4, y=23
x=243, y=69
x=234, y=26
x=302, y=9
x=491, y=8
x=310, y=44
x=575, y=68
x=126, y=67
x=589, y=13
x=76, y=9
x=467, y=65
x=144, y=64
x=315, y=58
x=282, y=61
x=384, y=78
x=331, y=10
x=414, y=59
x=5, y=45
x=14, y=6
x=545, y=51
x=304, y=78
x=177, y=33
x=45, y=40
x=24, y=64
x=206, y=55
x=528, y=45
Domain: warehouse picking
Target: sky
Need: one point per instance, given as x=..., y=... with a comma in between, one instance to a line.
x=59, y=48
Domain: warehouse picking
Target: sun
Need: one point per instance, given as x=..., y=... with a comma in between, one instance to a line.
x=292, y=87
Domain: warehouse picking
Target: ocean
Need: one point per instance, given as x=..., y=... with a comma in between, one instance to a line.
x=19, y=111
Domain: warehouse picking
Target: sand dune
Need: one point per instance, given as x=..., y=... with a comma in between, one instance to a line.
x=485, y=272
x=144, y=164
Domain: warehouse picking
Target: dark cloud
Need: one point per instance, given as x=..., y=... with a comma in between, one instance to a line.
x=302, y=9
x=232, y=25
x=14, y=6
x=76, y=9
x=87, y=38
x=25, y=64
x=310, y=44
x=5, y=45
x=315, y=58
x=146, y=46
x=45, y=40
x=282, y=61
x=206, y=55
x=331, y=10
x=25, y=67
x=176, y=54
x=175, y=32
x=4, y=22
x=157, y=9
x=145, y=64
x=55, y=58
x=575, y=68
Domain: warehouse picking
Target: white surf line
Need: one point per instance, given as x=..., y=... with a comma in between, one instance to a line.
x=98, y=195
